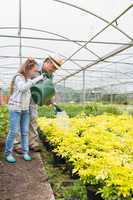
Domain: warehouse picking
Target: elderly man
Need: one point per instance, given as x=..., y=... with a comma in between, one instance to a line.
x=49, y=66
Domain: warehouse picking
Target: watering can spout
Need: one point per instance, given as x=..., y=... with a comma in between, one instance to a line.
x=57, y=109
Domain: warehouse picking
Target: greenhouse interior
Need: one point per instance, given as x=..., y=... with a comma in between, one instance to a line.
x=66, y=100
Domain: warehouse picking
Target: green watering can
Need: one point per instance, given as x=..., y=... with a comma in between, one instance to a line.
x=42, y=92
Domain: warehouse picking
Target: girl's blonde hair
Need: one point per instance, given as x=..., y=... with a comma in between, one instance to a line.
x=24, y=70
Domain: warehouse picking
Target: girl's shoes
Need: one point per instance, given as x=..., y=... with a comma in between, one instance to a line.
x=27, y=157
x=10, y=159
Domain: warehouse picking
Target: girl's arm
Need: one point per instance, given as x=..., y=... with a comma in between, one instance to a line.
x=23, y=86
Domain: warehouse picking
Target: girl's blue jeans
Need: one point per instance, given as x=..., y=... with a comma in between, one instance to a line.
x=18, y=120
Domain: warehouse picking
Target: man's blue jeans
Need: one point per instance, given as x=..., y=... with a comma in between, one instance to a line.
x=18, y=120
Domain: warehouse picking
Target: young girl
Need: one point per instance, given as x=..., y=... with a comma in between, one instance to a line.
x=19, y=108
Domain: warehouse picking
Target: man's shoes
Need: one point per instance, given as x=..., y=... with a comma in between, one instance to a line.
x=32, y=148
x=35, y=148
x=18, y=150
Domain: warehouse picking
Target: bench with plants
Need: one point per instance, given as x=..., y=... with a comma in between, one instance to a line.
x=3, y=125
x=99, y=150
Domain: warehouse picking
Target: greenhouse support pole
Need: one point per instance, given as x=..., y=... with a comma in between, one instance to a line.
x=95, y=96
x=19, y=32
x=64, y=86
x=111, y=96
x=83, y=92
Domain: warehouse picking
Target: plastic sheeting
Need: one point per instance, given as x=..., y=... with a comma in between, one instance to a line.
x=93, y=35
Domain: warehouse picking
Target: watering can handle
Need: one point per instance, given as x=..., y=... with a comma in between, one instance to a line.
x=44, y=75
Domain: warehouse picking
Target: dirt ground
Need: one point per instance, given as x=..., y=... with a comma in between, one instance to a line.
x=24, y=180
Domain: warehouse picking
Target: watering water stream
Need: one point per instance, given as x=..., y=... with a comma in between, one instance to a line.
x=62, y=120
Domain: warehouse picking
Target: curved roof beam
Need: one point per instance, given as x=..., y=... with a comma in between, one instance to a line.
x=64, y=38
x=97, y=16
x=5, y=66
x=55, y=34
x=68, y=40
x=39, y=48
x=110, y=24
x=115, y=62
x=106, y=56
x=109, y=55
x=98, y=33
x=113, y=84
x=72, y=60
x=106, y=61
x=47, y=50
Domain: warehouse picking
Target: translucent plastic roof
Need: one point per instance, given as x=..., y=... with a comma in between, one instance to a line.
x=94, y=37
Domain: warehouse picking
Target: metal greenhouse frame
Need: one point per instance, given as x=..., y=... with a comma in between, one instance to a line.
x=84, y=59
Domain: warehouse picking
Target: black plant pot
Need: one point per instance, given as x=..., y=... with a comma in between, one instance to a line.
x=42, y=137
x=58, y=160
x=92, y=193
x=48, y=145
x=45, y=141
x=69, y=168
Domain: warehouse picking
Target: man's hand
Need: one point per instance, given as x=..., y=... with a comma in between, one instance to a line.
x=49, y=103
